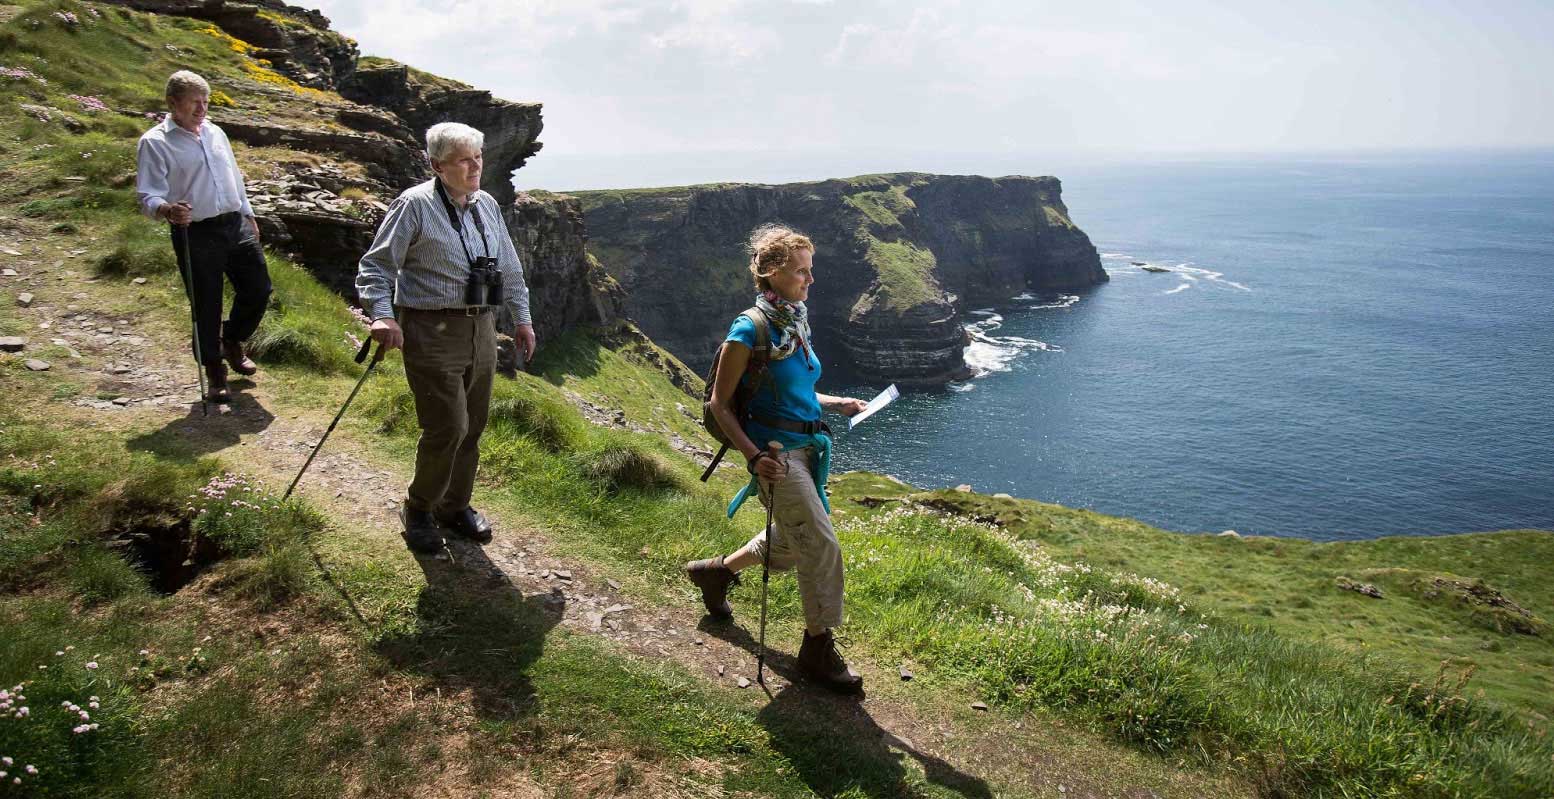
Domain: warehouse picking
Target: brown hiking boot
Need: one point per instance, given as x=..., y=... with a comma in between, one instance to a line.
x=233, y=352
x=713, y=578
x=820, y=661
x=216, y=383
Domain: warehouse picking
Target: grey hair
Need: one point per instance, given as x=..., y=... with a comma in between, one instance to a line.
x=444, y=138
x=184, y=82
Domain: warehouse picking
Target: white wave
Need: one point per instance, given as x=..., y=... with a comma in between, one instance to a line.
x=1190, y=272
x=1183, y=287
x=1026, y=297
x=988, y=354
x=961, y=388
x=1114, y=255
x=1063, y=301
x=985, y=312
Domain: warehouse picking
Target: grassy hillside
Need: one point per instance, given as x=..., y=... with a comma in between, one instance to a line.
x=226, y=643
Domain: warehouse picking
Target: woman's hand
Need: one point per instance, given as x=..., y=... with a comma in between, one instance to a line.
x=770, y=467
x=848, y=406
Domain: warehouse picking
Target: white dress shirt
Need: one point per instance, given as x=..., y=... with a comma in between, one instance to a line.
x=174, y=165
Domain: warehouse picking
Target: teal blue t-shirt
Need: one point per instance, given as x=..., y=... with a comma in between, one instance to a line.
x=795, y=398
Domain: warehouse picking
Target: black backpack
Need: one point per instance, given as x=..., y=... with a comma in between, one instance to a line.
x=760, y=356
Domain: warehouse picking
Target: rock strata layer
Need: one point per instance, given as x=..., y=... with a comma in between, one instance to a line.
x=899, y=258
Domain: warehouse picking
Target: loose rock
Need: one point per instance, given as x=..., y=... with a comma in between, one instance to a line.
x=744, y=682
x=37, y=365
x=1359, y=588
x=979, y=706
x=906, y=674
x=24, y=300
x=12, y=343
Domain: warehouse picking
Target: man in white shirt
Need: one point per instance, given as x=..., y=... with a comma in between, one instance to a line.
x=187, y=175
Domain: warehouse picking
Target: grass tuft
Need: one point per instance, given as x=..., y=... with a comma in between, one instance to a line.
x=626, y=464
x=545, y=419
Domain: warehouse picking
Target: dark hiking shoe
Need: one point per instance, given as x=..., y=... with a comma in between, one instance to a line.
x=713, y=578
x=820, y=661
x=233, y=352
x=467, y=523
x=216, y=383
x=420, y=531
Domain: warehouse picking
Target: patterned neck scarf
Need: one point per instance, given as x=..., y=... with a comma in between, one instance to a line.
x=791, y=318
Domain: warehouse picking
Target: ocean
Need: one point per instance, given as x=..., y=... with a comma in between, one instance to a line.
x=1337, y=349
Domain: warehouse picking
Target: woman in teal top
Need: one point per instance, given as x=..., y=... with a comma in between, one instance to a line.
x=791, y=482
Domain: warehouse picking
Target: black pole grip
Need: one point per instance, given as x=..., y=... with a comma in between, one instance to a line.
x=361, y=354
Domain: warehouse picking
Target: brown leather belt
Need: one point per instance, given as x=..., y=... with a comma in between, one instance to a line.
x=473, y=310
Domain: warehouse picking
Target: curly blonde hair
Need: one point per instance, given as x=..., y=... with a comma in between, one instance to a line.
x=771, y=248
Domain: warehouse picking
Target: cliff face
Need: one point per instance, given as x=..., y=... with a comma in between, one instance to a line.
x=899, y=256
x=567, y=286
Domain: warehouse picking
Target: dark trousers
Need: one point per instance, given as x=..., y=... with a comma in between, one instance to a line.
x=449, y=363
x=223, y=246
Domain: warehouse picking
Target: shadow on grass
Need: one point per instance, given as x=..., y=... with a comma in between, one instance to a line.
x=835, y=746
x=197, y=434
x=476, y=631
x=857, y=758
x=574, y=354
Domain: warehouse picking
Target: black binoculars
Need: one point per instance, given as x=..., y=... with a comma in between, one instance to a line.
x=485, y=282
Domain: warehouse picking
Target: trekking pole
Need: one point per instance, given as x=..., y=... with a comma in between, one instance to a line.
x=766, y=561
x=361, y=355
x=186, y=270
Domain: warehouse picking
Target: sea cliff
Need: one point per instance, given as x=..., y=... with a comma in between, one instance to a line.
x=899, y=257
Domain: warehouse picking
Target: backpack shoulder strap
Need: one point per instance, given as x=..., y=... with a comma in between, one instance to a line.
x=762, y=351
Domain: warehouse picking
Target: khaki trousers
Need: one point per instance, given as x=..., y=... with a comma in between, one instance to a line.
x=805, y=541
x=449, y=363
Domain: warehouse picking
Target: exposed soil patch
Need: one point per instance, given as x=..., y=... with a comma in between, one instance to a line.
x=172, y=557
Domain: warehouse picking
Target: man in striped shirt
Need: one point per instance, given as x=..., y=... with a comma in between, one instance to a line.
x=186, y=174
x=426, y=284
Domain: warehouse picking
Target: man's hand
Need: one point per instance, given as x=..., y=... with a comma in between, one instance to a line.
x=253, y=226
x=524, y=338
x=386, y=331
x=177, y=213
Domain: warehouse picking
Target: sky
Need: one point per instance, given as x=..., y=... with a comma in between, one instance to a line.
x=866, y=82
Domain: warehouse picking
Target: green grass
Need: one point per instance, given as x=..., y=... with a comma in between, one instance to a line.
x=906, y=274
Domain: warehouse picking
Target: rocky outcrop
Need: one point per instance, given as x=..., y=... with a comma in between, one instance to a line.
x=899, y=257
x=395, y=162
x=511, y=129
x=296, y=41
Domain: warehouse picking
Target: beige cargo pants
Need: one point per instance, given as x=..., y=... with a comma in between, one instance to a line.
x=805, y=541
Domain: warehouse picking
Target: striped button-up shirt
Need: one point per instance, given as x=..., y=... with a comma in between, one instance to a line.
x=173, y=165
x=416, y=260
